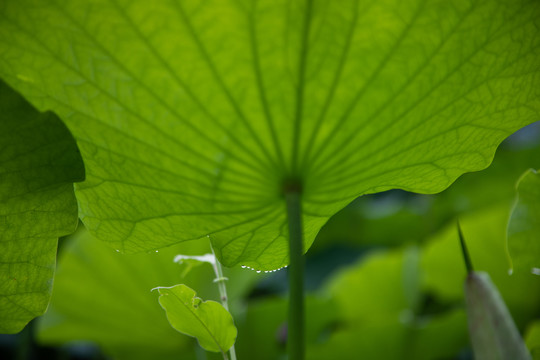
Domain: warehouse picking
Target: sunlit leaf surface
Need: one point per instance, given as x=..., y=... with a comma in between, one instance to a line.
x=39, y=162
x=191, y=115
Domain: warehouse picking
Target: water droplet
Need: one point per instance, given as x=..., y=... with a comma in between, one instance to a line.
x=535, y=271
x=258, y=271
x=117, y=250
x=157, y=250
x=510, y=271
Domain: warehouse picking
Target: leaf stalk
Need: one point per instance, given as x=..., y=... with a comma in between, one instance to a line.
x=295, y=330
x=220, y=280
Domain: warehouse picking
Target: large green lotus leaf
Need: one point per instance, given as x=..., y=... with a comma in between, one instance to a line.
x=39, y=162
x=105, y=297
x=484, y=232
x=191, y=115
x=524, y=226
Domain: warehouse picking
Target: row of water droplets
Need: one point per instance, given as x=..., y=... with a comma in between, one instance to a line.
x=245, y=267
x=260, y=271
x=118, y=250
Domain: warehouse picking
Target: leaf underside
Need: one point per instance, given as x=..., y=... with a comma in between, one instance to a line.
x=39, y=162
x=192, y=115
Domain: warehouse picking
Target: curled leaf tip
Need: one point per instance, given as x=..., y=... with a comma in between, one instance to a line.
x=209, y=258
x=158, y=288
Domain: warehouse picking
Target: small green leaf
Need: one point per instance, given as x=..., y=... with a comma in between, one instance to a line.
x=494, y=336
x=208, y=321
x=524, y=226
x=39, y=161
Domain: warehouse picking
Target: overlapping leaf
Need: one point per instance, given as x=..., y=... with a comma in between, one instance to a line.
x=192, y=114
x=39, y=162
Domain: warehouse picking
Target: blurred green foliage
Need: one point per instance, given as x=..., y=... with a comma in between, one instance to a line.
x=524, y=226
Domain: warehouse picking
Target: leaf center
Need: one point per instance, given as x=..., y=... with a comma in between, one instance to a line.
x=291, y=185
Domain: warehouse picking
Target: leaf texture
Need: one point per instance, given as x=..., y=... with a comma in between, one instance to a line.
x=191, y=115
